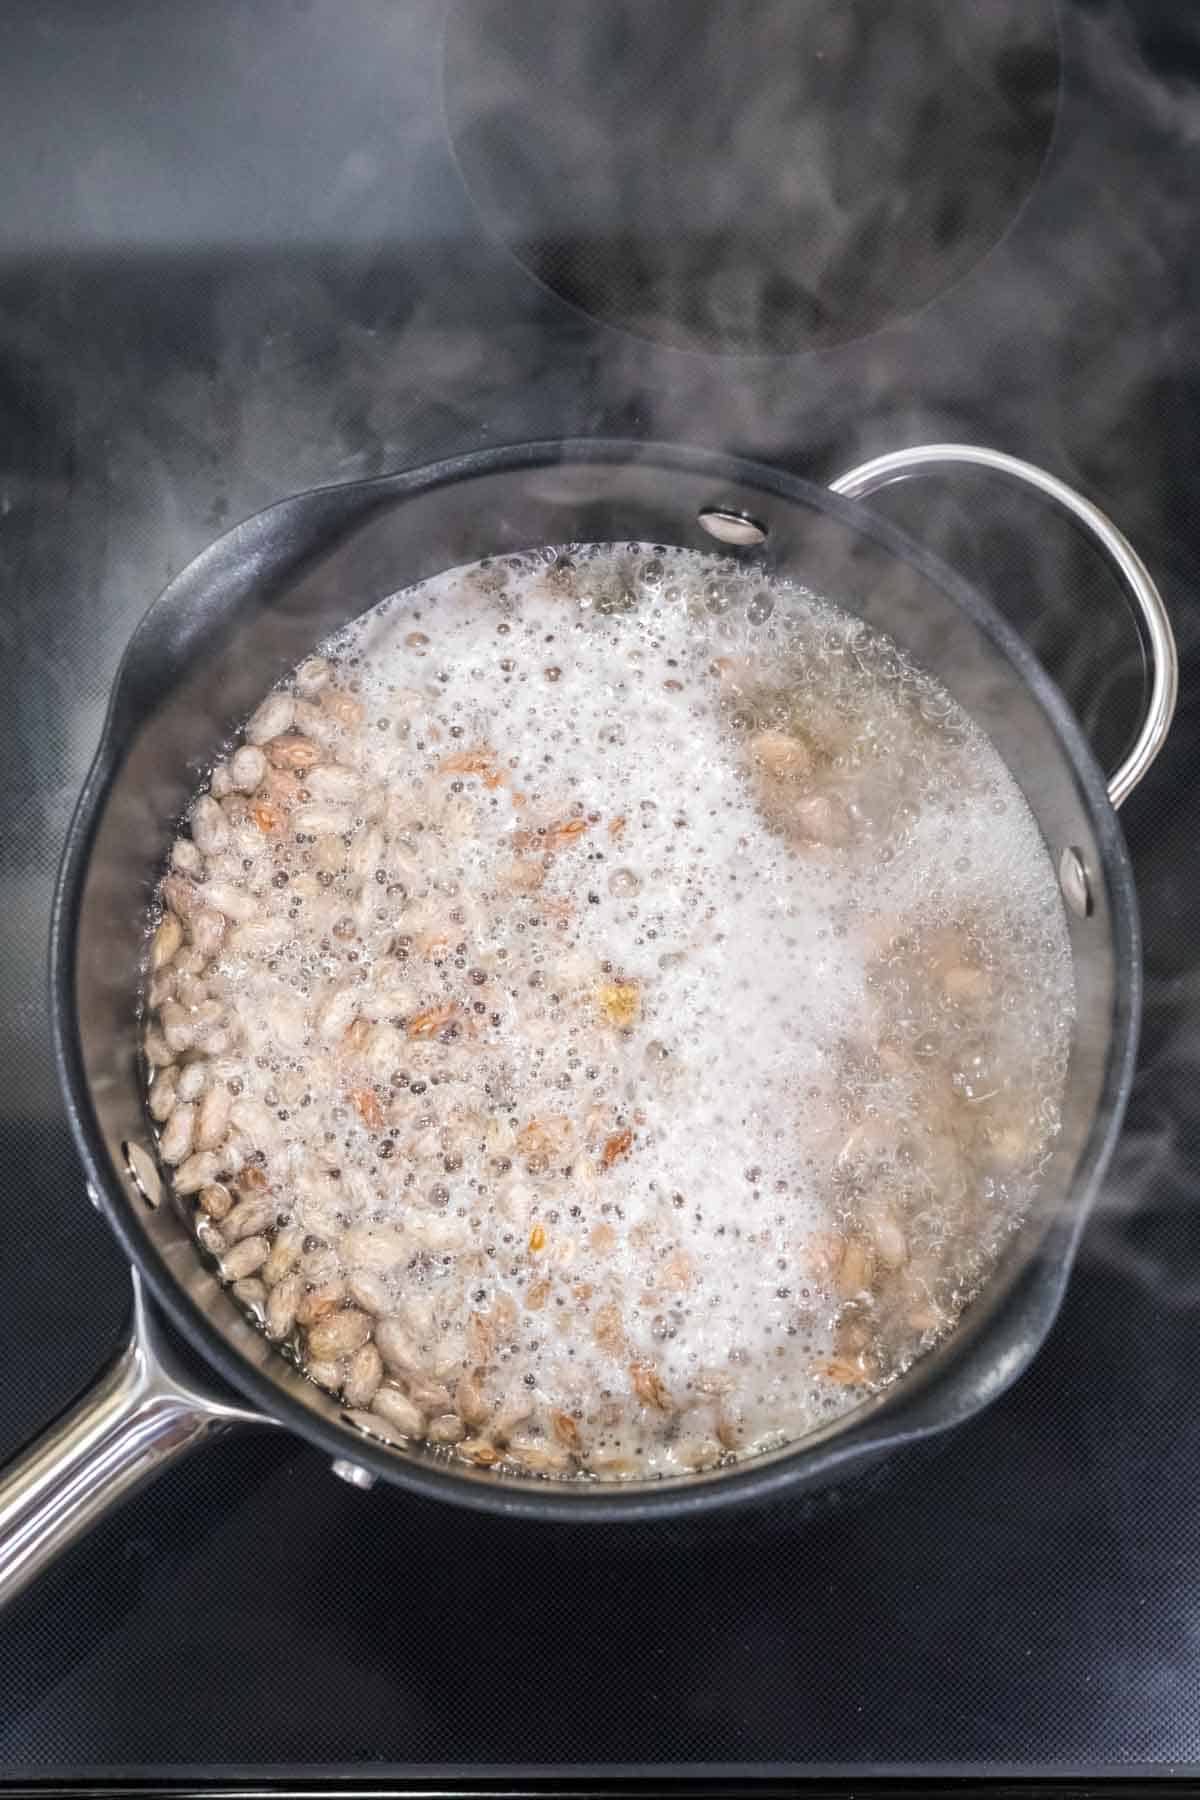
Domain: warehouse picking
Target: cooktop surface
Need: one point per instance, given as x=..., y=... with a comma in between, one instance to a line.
x=246, y=250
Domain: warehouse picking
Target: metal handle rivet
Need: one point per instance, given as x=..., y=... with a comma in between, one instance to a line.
x=353, y=1473
x=731, y=527
x=1073, y=879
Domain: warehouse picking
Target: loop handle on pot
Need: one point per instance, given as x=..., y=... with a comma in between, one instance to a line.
x=141, y=1414
x=897, y=465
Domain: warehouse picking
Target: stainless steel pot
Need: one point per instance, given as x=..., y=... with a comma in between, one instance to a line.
x=246, y=611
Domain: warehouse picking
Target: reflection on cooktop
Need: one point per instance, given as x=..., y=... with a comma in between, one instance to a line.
x=763, y=179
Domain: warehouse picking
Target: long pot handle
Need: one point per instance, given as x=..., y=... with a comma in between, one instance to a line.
x=141, y=1414
x=898, y=465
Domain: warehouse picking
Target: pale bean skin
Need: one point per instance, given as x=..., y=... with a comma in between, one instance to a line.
x=322, y=1265
x=180, y=895
x=257, y=937
x=197, y=1172
x=363, y=1376
x=234, y=1153
x=366, y=854
x=282, y=1301
x=285, y=1254
x=376, y=1248
x=191, y=991
x=448, y=1428
x=430, y=1396
x=193, y=1079
x=223, y=897
x=390, y=1404
x=163, y=1095
x=291, y=751
x=418, y=1317
x=312, y=676
x=890, y=1243
x=176, y=1141
x=159, y=1053
x=469, y=1403
x=177, y=1026
x=288, y=1020
x=162, y=987
x=254, y=1119
x=245, y=1258
x=333, y=785
x=967, y=986
x=396, y=1347
x=320, y=1301
x=339, y=1334
x=186, y=857
x=343, y=707
x=375, y=1426
x=167, y=940
x=210, y=828
x=336, y=1013
x=249, y=1216
x=212, y=1120
x=320, y=821
x=480, y=1452
x=274, y=716
x=370, y=1292
x=207, y=1019
x=228, y=865
x=539, y=1458
x=326, y=1375
x=821, y=819
x=216, y=1200
x=247, y=767
x=316, y=723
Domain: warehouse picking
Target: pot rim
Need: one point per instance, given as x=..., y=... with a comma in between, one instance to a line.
x=887, y=1422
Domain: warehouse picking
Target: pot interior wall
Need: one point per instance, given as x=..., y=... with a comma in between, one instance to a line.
x=258, y=601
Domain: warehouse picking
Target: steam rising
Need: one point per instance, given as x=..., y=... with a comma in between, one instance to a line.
x=209, y=344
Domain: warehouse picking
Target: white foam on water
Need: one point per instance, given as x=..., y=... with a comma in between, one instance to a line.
x=699, y=1033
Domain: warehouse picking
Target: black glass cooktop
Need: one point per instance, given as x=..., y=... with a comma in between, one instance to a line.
x=247, y=249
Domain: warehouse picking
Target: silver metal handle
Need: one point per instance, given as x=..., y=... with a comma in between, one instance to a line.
x=141, y=1414
x=897, y=465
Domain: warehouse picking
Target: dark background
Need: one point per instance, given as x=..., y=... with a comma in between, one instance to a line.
x=247, y=248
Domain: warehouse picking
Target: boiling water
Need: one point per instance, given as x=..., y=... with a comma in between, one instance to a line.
x=646, y=1022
